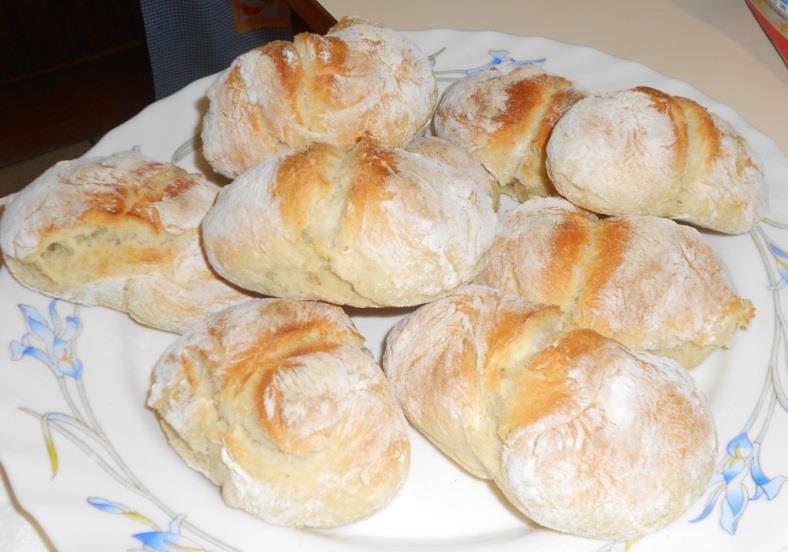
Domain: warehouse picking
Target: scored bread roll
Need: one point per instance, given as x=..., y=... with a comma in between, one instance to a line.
x=279, y=403
x=360, y=80
x=120, y=231
x=581, y=435
x=504, y=119
x=645, y=152
x=373, y=226
x=648, y=282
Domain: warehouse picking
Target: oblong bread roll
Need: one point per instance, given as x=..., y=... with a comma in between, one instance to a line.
x=648, y=282
x=645, y=152
x=373, y=226
x=120, y=231
x=360, y=80
x=582, y=435
x=278, y=402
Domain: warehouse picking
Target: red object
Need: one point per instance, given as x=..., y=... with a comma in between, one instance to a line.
x=778, y=38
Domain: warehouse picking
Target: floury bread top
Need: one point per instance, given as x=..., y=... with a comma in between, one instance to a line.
x=358, y=81
x=369, y=227
x=120, y=231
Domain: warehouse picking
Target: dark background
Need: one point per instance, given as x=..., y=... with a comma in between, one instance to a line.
x=73, y=69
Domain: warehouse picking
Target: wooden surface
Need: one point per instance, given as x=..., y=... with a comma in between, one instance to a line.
x=316, y=17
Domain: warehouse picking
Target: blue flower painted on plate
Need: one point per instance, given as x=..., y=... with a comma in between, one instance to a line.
x=503, y=57
x=108, y=506
x=740, y=481
x=117, y=508
x=781, y=258
x=498, y=57
x=49, y=341
x=52, y=340
x=156, y=540
x=166, y=541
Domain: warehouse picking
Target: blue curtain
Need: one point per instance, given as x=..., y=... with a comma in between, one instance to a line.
x=189, y=39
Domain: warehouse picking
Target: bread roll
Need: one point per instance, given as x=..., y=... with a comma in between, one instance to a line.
x=648, y=282
x=504, y=119
x=360, y=80
x=122, y=232
x=375, y=226
x=279, y=403
x=580, y=434
x=644, y=152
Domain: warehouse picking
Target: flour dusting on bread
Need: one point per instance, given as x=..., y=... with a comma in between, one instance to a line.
x=645, y=152
x=372, y=226
x=119, y=231
x=278, y=402
x=579, y=433
x=359, y=81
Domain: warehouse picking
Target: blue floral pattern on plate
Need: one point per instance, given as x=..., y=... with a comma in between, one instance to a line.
x=157, y=539
x=739, y=478
x=52, y=342
x=497, y=57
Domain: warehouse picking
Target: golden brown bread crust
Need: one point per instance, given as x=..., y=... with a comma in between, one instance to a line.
x=278, y=402
x=373, y=226
x=580, y=434
x=647, y=282
x=504, y=119
x=645, y=152
x=119, y=231
x=360, y=80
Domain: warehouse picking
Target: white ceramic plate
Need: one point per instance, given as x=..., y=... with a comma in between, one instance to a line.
x=118, y=485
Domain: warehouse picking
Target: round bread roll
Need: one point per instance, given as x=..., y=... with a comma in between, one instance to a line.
x=644, y=152
x=504, y=119
x=279, y=403
x=120, y=231
x=373, y=226
x=648, y=282
x=582, y=435
x=360, y=80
